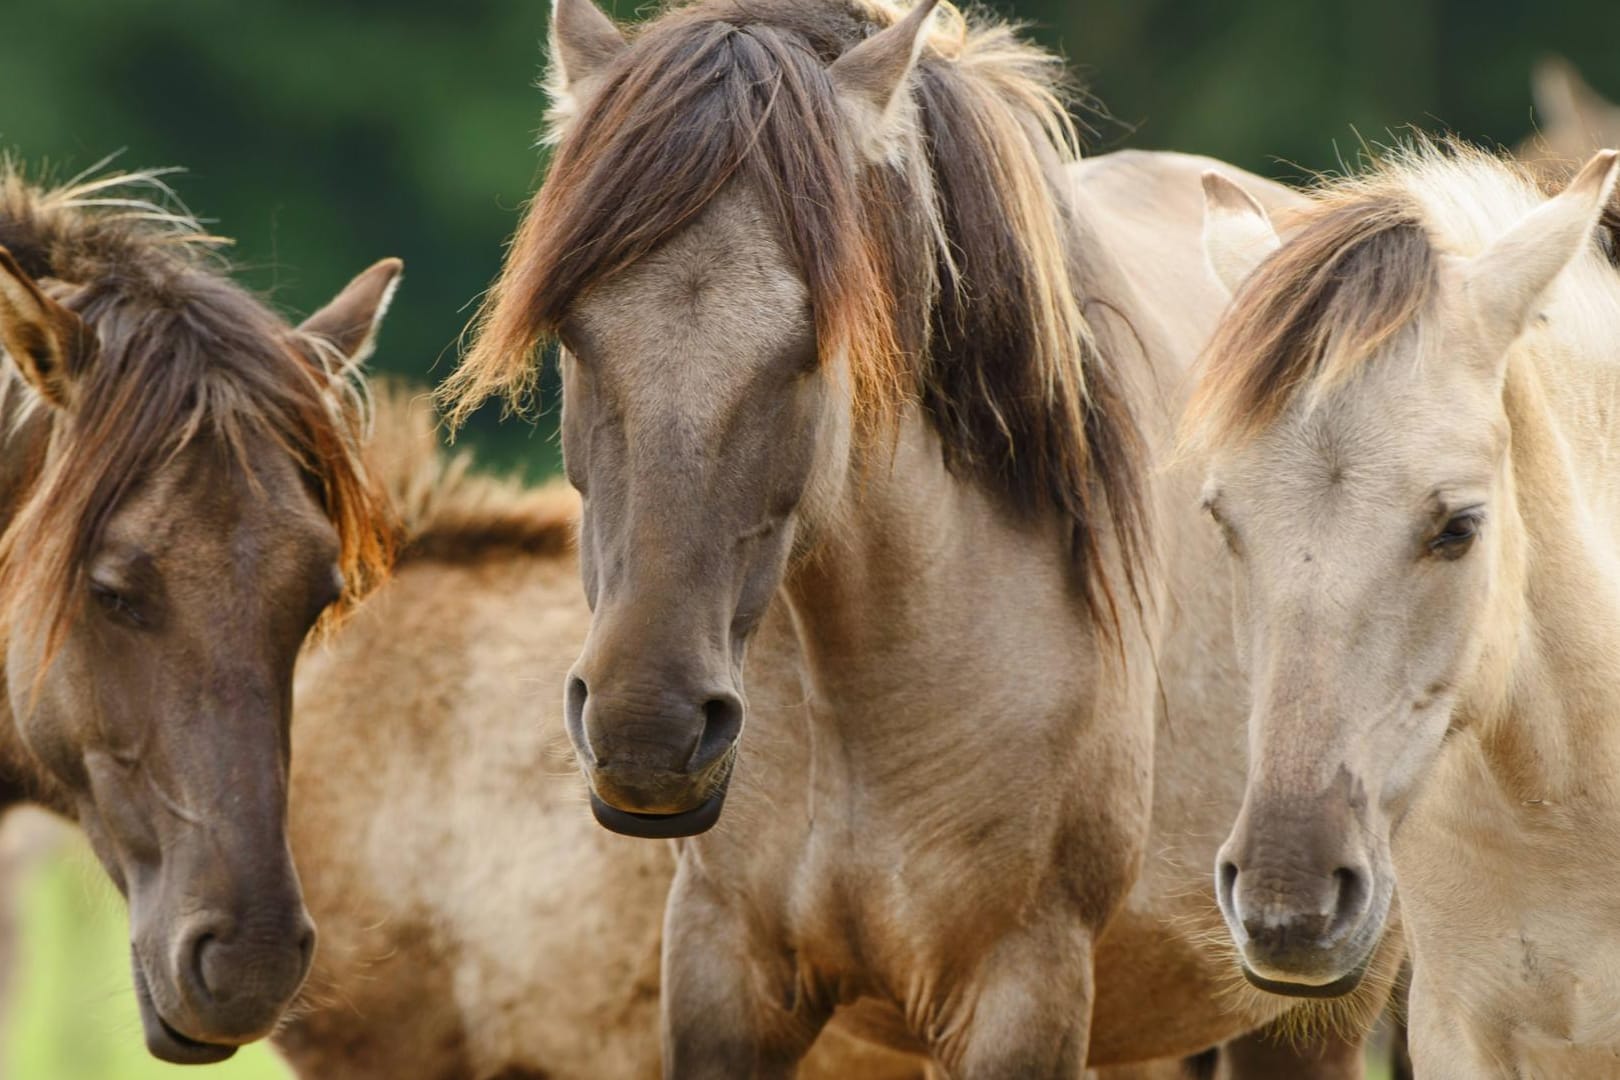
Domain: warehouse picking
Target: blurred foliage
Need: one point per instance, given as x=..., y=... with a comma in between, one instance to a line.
x=324, y=134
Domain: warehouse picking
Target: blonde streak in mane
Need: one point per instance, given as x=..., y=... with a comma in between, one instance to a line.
x=1062, y=333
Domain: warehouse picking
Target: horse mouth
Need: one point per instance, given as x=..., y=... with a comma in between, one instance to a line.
x=1337, y=988
x=164, y=1042
x=699, y=819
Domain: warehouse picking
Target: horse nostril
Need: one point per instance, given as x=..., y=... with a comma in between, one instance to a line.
x=1351, y=900
x=200, y=949
x=574, y=699
x=1227, y=884
x=722, y=723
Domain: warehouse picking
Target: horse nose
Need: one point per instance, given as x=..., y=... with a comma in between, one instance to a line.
x=232, y=977
x=663, y=728
x=1315, y=914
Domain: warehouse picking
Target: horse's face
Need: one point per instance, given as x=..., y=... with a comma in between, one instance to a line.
x=164, y=712
x=1374, y=547
x=1364, y=556
x=699, y=428
x=166, y=715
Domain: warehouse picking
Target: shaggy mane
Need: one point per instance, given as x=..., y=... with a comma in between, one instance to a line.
x=944, y=276
x=1359, y=271
x=183, y=352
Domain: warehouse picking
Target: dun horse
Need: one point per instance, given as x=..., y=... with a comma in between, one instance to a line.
x=475, y=922
x=1408, y=413
x=821, y=281
x=181, y=500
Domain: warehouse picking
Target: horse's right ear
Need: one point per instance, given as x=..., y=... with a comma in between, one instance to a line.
x=583, y=42
x=50, y=345
x=1237, y=233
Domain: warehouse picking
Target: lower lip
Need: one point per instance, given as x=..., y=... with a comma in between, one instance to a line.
x=659, y=826
x=1337, y=988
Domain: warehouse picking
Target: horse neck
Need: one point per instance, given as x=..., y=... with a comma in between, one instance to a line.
x=937, y=628
x=1546, y=693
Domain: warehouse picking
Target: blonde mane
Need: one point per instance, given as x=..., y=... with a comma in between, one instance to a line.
x=447, y=512
x=1360, y=270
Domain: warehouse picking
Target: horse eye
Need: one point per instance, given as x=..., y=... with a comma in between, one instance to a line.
x=1457, y=537
x=115, y=603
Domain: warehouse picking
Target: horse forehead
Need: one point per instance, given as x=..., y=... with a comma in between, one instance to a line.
x=203, y=513
x=702, y=312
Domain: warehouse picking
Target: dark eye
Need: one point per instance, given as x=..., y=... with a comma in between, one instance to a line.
x=115, y=603
x=1454, y=540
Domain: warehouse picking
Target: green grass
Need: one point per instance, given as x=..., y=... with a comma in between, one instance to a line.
x=73, y=1014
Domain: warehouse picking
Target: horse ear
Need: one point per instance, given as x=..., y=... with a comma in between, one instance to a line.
x=1507, y=279
x=1567, y=105
x=871, y=79
x=1238, y=234
x=584, y=41
x=351, y=319
x=50, y=345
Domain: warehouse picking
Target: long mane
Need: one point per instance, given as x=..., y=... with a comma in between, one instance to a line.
x=945, y=277
x=184, y=353
x=1359, y=270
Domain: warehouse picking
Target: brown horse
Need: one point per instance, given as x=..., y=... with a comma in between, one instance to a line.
x=1408, y=419
x=475, y=922
x=181, y=499
x=821, y=281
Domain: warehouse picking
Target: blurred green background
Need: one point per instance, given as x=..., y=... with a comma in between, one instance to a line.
x=324, y=134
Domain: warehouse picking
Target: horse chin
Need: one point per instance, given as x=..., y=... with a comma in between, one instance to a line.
x=699, y=819
x=1337, y=988
x=167, y=1044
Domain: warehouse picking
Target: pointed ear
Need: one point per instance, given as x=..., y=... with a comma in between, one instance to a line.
x=1567, y=105
x=50, y=345
x=351, y=320
x=872, y=78
x=583, y=41
x=1507, y=279
x=1237, y=233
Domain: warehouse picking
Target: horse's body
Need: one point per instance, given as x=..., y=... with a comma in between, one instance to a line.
x=1424, y=515
x=938, y=830
x=475, y=922
x=180, y=498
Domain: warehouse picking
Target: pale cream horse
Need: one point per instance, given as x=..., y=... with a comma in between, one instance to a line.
x=969, y=836
x=1410, y=418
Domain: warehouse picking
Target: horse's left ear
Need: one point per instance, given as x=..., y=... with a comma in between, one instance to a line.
x=50, y=345
x=1508, y=279
x=351, y=319
x=873, y=76
x=1238, y=234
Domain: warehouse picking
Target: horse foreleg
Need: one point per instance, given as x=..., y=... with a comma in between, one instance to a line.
x=721, y=1020
x=1028, y=1014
